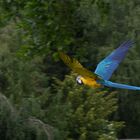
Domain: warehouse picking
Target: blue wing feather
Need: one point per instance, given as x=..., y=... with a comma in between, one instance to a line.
x=108, y=65
x=117, y=85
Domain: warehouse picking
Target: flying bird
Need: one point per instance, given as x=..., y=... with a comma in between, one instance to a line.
x=104, y=70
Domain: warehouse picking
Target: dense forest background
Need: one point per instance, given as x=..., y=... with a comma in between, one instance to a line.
x=39, y=97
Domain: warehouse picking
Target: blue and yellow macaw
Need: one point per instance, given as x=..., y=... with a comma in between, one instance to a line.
x=100, y=77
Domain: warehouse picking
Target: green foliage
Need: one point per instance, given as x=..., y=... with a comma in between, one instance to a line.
x=51, y=25
x=22, y=82
x=82, y=112
x=15, y=126
x=16, y=72
x=72, y=112
x=87, y=29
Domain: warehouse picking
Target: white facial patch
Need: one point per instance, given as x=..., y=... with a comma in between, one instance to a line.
x=78, y=79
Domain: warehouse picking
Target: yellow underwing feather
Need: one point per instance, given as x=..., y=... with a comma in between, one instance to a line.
x=76, y=66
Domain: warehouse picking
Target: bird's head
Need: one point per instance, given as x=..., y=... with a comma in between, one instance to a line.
x=79, y=80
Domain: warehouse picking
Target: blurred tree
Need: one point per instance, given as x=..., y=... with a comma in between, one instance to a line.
x=87, y=29
x=73, y=112
x=81, y=113
x=16, y=126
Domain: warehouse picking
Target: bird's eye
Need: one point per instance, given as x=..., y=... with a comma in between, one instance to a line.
x=79, y=81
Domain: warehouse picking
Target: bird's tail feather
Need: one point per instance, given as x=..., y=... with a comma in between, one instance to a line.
x=118, y=85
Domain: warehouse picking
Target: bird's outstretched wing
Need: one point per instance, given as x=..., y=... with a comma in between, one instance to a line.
x=117, y=85
x=76, y=66
x=108, y=65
